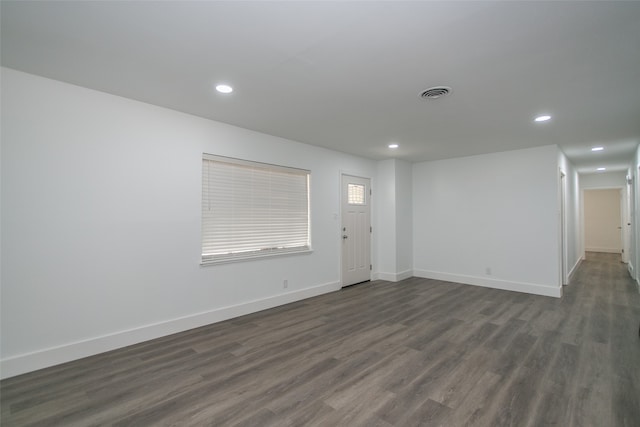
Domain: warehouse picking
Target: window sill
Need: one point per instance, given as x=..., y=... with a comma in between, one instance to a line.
x=253, y=257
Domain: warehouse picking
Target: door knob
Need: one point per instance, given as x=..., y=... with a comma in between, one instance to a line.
x=344, y=236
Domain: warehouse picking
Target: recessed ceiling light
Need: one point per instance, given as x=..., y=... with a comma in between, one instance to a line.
x=224, y=88
x=597, y=149
x=393, y=145
x=542, y=118
x=602, y=169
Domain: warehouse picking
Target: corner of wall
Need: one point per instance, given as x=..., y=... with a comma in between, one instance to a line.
x=574, y=269
x=395, y=277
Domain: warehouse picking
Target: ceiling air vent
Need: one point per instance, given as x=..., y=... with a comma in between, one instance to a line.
x=435, y=92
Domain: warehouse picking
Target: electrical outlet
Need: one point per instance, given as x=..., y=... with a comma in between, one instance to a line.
x=285, y=284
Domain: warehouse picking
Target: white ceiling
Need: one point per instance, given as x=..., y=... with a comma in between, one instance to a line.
x=347, y=75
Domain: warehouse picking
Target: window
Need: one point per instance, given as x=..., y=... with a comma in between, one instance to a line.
x=252, y=209
x=355, y=194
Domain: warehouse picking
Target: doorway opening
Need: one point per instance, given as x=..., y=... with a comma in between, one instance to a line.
x=603, y=219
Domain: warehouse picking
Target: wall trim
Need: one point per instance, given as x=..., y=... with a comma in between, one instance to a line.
x=631, y=270
x=40, y=359
x=604, y=250
x=529, y=288
x=574, y=269
x=395, y=277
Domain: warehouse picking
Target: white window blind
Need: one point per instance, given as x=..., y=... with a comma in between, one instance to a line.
x=252, y=209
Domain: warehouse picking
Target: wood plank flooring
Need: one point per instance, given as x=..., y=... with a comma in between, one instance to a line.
x=414, y=353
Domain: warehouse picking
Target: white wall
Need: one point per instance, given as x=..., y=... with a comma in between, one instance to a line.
x=573, y=253
x=384, y=225
x=603, y=180
x=101, y=223
x=496, y=211
x=393, y=226
x=404, y=218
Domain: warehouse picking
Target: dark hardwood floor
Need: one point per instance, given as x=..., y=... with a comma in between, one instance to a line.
x=414, y=353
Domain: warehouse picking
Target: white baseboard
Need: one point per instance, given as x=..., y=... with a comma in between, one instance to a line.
x=29, y=362
x=394, y=277
x=404, y=275
x=574, y=269
x=530, y=288
x=631, y=270
x=605, y=250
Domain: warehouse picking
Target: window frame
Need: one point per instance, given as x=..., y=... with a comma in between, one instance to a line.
x=282, y=172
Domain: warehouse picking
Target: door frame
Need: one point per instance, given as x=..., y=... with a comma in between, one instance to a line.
x=564, y=258
x=625, y=221
x=338, y=216
x=635, y=224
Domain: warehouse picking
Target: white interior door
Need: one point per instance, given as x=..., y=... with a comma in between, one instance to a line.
x=356, y=230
